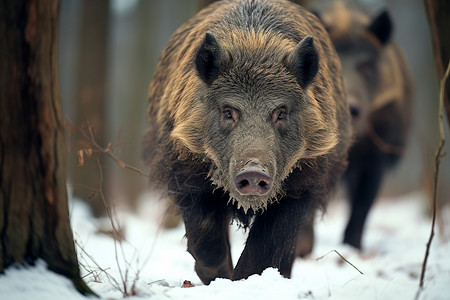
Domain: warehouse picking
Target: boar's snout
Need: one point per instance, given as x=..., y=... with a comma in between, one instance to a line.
x=253, y=180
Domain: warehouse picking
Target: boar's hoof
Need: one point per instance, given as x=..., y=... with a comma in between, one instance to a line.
x=253, y=181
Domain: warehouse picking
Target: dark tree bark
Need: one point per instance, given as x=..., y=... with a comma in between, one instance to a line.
x=34, y=218
x=438, y=12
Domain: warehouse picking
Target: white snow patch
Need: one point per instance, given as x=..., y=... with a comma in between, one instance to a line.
x=395, y=240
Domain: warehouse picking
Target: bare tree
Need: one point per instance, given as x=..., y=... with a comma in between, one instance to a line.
x=34, y=218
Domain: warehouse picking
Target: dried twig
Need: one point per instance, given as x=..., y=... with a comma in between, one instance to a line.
x=124, y=287
x=123, y=268
x=343, y=258
x=108, y=151
x=437, y=158
x=89, y=135
x=126, y=291
x=113, y=225
x=111, y=279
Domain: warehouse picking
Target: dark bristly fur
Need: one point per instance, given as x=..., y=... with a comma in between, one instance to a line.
x=247, y=81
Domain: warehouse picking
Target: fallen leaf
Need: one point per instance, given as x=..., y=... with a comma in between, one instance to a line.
x=187, y=284
x=121, y=163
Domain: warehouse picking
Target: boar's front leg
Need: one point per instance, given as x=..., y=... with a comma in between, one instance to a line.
x=363, y=183
x=272, y=238
x=207, y=221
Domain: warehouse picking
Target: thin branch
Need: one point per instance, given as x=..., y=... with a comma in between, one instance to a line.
x=436, y=173
x=115, y=230
x=110, y=278
x=124, y=271
x=114, y=157
x=108, y=151
x=343, y=258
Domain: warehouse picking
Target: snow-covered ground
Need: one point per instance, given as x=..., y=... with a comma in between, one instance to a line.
x=396, y=235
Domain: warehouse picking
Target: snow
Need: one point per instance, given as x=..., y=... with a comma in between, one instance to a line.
x=395, y=240
x=26, y=283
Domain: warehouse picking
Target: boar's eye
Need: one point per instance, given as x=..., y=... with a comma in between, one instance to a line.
x=366, y=68
x=230, y=117
x=279, y=115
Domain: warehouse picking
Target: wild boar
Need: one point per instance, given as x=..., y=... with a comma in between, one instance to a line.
x=248, y=120
x=379, y=92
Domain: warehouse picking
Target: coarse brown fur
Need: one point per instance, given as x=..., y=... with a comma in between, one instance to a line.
x=221, y=84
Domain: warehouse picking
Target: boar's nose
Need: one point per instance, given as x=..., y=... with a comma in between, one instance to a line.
x=253, y=180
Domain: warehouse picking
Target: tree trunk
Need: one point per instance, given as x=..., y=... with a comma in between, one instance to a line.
x=34, y=218
x=438, y=12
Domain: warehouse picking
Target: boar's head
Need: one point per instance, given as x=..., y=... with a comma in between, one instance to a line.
x=360, y=42
x=259, y=118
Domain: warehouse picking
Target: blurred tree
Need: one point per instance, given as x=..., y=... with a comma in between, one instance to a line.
x=34, y=217
x=131, y=31
x=438, y=12
x=91, y=104
x=138, y=33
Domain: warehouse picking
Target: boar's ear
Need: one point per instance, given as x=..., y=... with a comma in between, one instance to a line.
x=209, y=58
x=381, y=27
x=303, y=61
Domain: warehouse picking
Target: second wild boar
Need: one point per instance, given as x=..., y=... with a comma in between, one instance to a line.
x=379, y=92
